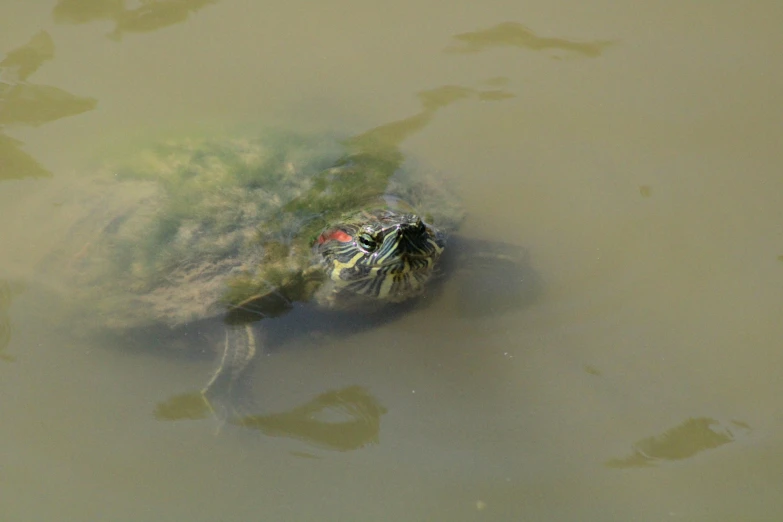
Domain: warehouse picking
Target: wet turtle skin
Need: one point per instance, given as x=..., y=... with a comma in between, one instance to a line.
x=244, y=228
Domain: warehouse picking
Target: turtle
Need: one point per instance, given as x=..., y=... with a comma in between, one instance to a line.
x=244, y=228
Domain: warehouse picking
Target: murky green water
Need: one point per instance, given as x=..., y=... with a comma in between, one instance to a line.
x=631, y=152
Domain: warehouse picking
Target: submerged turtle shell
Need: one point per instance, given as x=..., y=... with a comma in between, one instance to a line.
x=189, y=227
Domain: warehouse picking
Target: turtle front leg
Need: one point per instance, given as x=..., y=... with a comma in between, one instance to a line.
x=214, y=399
x=238, y=350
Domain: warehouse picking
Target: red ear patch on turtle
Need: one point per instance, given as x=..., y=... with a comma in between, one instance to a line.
x=336, y=235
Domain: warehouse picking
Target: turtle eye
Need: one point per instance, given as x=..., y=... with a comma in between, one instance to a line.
x=366, y=242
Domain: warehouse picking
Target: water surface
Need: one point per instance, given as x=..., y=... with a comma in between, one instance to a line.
x=631, y=151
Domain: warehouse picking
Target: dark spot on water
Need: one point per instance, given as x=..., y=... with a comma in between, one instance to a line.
x=592, y=370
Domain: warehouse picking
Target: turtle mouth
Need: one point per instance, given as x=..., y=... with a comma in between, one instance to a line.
x=407, y=264
x=411, y=263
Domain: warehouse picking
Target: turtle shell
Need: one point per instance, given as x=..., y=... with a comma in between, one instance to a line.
x=189, y=227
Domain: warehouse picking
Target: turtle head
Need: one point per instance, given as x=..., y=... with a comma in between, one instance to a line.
x=384, y=254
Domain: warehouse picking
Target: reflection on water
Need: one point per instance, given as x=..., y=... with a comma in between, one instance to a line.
x=24, y=103
x=498, y=81
x=30, y=104
x=514, y=34
x=681, y=442
x=342, y=420
x=82, y=11
x=185, y=406
x=17, y=164
x=25, y=60
x=155, y=15
x=8, y=290
x=150, y=16
x=392, y=134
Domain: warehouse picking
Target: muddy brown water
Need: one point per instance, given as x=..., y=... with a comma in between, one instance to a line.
x=633, y=152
